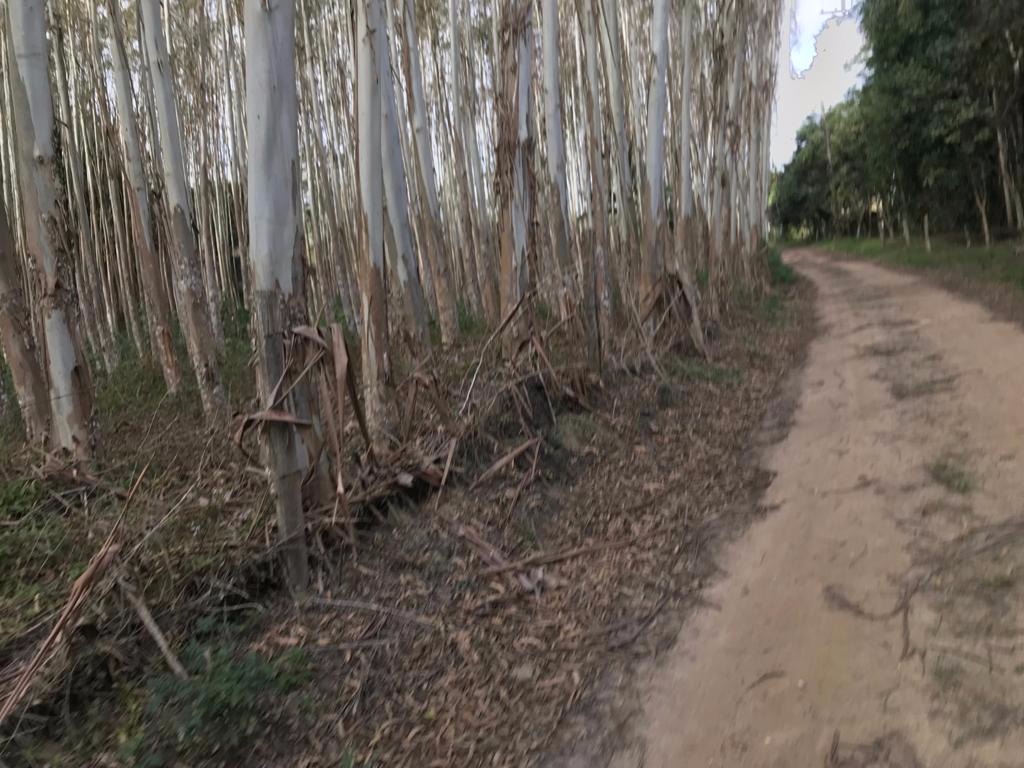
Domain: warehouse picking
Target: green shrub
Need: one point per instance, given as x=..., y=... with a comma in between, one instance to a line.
x=132, y=390
x=779, y=273
x=34, y=540
x=236, y=371
x=212, y=715
x=699, y=370
x=470, y=323
x=11, y=432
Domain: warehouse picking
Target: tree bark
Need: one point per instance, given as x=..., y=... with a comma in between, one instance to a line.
x=275, y=250
x=430, y=209
x=396, y=195
x=981, y=201
x=46, y=236
x=16, y=336
x=611, y=30
x=555, y=139
x=193, y=306
x=657, y=101
x=375, y=329
x=596, y=275
x=515, y=180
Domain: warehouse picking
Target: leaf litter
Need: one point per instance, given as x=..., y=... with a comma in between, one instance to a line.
x=473, y=626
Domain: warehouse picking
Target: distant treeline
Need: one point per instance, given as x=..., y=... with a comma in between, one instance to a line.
x=934, y=140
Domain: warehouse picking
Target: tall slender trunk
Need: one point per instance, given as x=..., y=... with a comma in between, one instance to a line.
x=1004, y=172
x=685, y=209
x=275, y=252
x=375, y=330
x=16, y=337
x=611, y=30
x=555, y=139
x=430, y=209
x=396, y=195
x=515, y=180
x=46, y=236
x=657, y=102
x=193, y=307
x=467, y=169
x=981, y=201
x=596, y=275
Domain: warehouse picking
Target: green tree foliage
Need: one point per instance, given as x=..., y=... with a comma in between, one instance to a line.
x=937, y=129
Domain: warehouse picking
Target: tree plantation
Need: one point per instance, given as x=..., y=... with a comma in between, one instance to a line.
x=389, y=166
x=932, y=142
x=349, y=232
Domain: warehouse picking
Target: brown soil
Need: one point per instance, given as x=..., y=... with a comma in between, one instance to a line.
x=874, y=619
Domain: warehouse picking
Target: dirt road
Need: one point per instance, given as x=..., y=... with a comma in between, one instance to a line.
x=874, y=618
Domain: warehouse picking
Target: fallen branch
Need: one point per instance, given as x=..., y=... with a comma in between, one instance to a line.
x=80, y=592
x=153, y=628
x=505, y=460
x=542, y=558
x=359, y=605
x=490, y=339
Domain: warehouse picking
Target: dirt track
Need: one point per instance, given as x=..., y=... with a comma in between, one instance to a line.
x=874, y=618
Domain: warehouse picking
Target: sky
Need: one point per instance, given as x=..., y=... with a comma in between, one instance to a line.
x=824, y=41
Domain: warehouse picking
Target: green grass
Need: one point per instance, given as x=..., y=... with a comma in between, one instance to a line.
x=951, y=475
x=131, y=391
x=779, y=273
x=225, y=704
x=470, y=323
x=11, y=431
x=999, y=264
x=40, y=554
x=695, y=369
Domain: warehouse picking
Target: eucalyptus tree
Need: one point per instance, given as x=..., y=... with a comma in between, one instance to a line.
x=46, y=239
x=555, y=139
x=190, y=294
x=426, y=178
x=276, y=254
x=515, y=182
x=657, y=104
x=396, y=195
x=407, y=113
x=158, y=304
x=375, y=358
x=17, y=340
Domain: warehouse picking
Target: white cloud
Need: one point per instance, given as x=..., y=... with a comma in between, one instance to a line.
x=809, y=18
x=823, y=41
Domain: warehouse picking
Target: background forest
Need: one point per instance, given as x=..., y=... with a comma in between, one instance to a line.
x=932, y=142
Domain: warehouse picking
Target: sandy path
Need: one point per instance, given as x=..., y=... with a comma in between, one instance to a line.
x=874, y=618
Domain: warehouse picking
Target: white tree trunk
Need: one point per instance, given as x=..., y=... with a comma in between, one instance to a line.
x=44, y=221
x=396, y=194
x=427, y=179
x=686, y=121
x=555, y=139
x=371, y=194
x=158, y=303
x=17, y=342
x=193, y=307
x=275, y=249
x=611, y=30
x=657, y=102
x=515, y=182
x=596, y=275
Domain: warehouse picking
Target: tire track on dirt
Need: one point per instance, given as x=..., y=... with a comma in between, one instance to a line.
x=875, y=619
